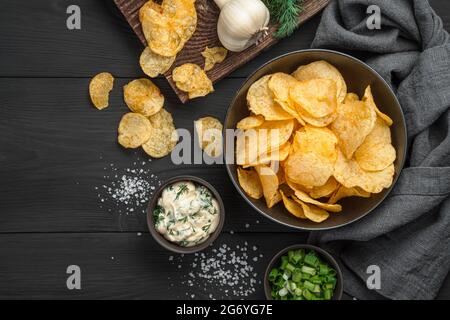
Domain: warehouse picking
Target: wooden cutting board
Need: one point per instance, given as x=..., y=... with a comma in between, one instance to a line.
x=206, y=35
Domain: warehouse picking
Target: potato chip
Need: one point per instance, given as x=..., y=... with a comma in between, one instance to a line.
x=192, y=79
x=354, y=122
x=280, y=84
x=295, y=186
x=351, y=97
x=321, y=141
x=343, y=192
x=214, y=55
x=153, y=64
x=269, y=182
x=292, y=206
x=209, y=132
x=163, y=135
x=143, y=96
x=317, y=97
x=368, y=99
x=375, y=157
x=289, y=108
x=313, y=213
x=308, y=169
x=161, y=35
x=349, y=174
x=303, y=196
x=183, y=16
x=99, y=88
x=279, y=155
x=134, y=130
x=376, y=153
x=323, y=70
x=262, y=140
x=261, y=101
x=249, y=181
x=326, y=190
x=250, y=122
x=317, y=122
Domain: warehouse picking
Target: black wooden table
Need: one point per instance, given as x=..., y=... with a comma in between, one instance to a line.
x=57, y=153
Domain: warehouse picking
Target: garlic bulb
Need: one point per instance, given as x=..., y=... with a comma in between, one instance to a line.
x=241, y=23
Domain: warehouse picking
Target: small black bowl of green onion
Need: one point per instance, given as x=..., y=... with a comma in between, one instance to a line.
x=303, y=272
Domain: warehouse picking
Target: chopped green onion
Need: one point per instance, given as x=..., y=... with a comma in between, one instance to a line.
x=302, y=276
x=290, y=267
x=311, y=259
x=308, y=270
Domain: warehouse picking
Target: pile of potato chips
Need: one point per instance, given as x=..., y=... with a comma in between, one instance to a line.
x=309, y=143
x=167, y=27
x=149, y=125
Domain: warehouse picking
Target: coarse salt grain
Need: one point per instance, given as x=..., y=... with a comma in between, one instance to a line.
x=227, y=271
x=128, y=189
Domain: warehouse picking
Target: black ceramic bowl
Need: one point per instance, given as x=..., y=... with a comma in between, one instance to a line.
x=325, y=256
x=358, y=76
x=173, y=246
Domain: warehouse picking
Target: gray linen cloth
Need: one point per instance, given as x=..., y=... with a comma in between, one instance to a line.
x=408, y=236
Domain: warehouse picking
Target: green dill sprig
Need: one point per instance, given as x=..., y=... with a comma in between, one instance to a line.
x=285, y=13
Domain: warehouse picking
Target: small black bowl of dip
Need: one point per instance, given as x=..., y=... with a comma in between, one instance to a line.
x=174, y=246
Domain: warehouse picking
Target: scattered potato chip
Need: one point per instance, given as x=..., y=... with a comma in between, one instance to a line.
x=323, y=70
x=293, y=207
x=192, y=79
x=349, y=174
x=209, y=132
x=326, y=190
x=250, y=122
x=183, y=15
x=134, y=130
x=343, y=192
x=303, y=196
x=99, y=88
x=159, y=31
x=368, y=99
x=153, y=64
x=163, y=135
x=249, y=181
x=269, y=182
x=311, y=212
x=143, y=96
x=169, y=26
x=354, y=122
x=317, y=97
x=261, y=101
x=214, y=55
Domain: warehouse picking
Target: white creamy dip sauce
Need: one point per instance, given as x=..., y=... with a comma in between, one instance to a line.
x=186, y=213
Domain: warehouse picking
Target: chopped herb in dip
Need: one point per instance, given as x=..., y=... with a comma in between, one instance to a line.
x=186, y=213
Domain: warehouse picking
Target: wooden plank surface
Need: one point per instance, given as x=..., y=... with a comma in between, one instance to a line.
x=58, y=149
x=205, y=35
x=55, y=149
x=125, y=266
